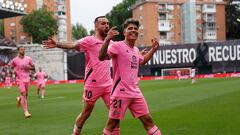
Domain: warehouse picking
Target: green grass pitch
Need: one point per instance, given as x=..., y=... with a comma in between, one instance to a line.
x=209, y=107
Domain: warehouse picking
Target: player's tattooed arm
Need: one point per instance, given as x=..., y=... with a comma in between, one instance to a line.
x=110, y=36
x=150, y=53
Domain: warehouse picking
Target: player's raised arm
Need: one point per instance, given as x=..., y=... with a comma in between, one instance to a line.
x=144, y=51
x=150, y=53
x=51, y=43
x=111, y=34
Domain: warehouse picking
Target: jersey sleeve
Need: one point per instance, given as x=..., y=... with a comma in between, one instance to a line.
x=113, y=49
x=83, y=44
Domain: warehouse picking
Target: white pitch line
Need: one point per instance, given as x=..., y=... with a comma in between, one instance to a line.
x=35, y=100
x=3, y=98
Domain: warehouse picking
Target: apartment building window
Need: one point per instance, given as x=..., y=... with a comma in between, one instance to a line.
x=162, y=16
x=211, y=34
x=163, y=35
x=39, y=4
x=12, y=24
x=61, y=13
x=162, y=24
x=140, y=17
x=140, y=8
x=210, y=6
x=198, y=7
x=209, y=15
x=211, y=26
x=162, y=7
x=170, y=7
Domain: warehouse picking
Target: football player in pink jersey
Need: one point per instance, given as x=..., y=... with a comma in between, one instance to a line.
x=126, y=93
x=41, y=76
x=8, y=81
x=97, y=79
x=22, y=65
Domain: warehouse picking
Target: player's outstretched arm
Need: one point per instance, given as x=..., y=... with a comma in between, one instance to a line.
x=51, y=43
x=111, y=34
x=150, y=53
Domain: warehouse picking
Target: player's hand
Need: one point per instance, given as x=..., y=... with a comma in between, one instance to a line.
x=50, y=43
x=112, y=33
x=155, y=44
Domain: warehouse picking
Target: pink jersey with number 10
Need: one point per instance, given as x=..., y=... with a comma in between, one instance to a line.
x=97, y=73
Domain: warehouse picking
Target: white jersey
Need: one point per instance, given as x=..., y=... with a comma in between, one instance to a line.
x=193, y=73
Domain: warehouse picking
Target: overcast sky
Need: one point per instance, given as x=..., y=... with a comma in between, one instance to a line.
x=85, y=11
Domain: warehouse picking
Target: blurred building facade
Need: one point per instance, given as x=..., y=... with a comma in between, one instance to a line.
x=180, y=21
x=61, y=8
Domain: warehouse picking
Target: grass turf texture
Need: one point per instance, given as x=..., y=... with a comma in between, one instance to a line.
x=209, y=107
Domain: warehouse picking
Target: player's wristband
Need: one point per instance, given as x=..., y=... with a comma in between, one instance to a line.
x=58, y=44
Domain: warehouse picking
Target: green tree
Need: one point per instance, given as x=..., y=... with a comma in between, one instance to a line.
x=92, y=32
x=40, y=24
x=233, y=19
x=1, y=28
x=78, y=31
x=119, y=14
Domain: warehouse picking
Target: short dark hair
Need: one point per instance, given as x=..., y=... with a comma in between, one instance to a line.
x=19, y=47
x=96, y=19
x=130, y=21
